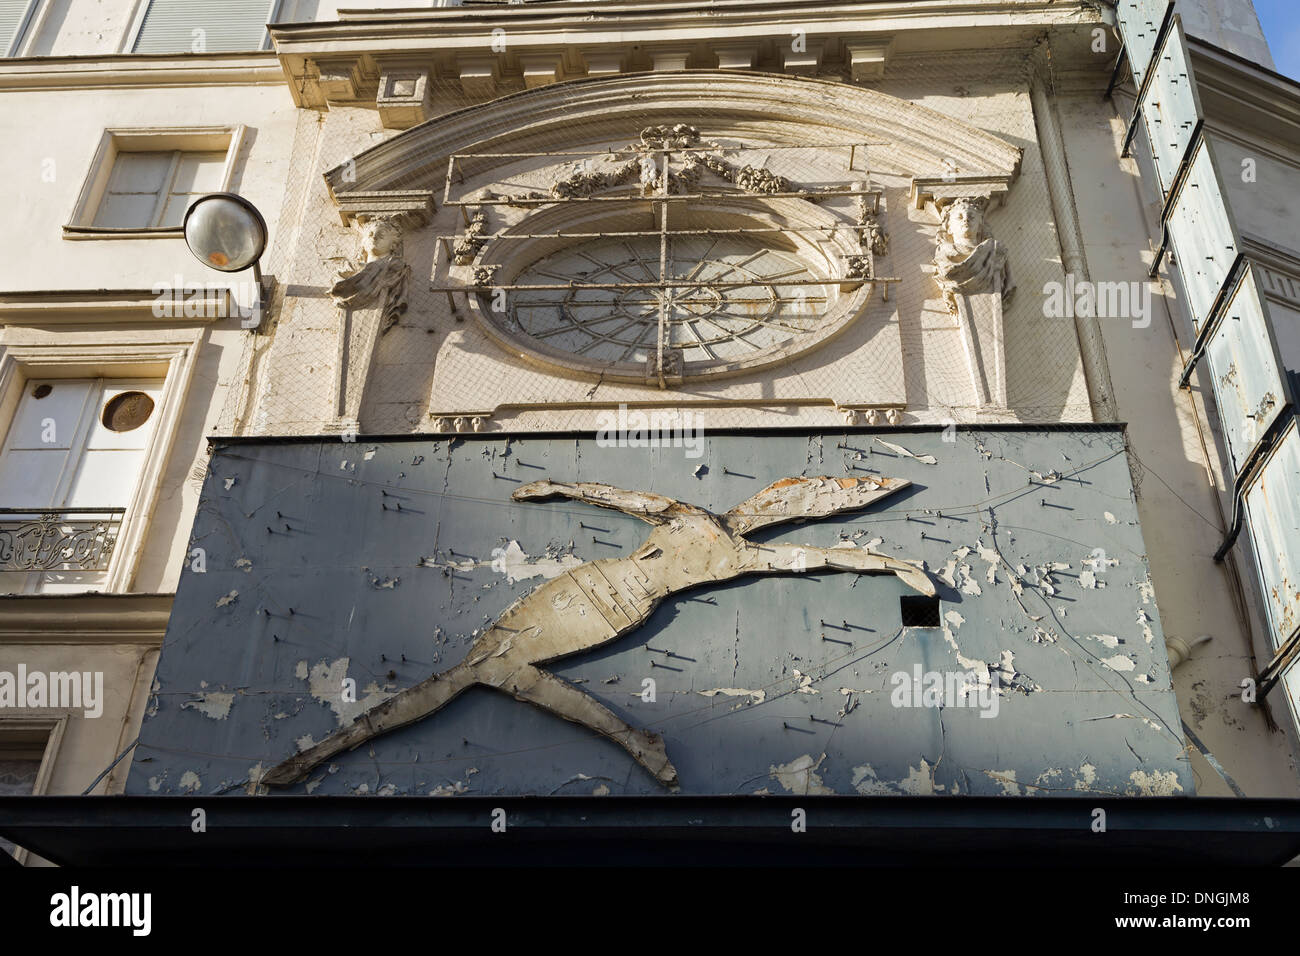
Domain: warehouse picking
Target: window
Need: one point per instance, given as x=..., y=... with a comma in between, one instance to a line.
x=69, y=468
x=27, y=750
x=142, y=181
x=152, y=190
x=919, y=611
x=192, y=26
x=15, y=15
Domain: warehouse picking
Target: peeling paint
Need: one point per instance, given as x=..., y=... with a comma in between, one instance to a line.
x=798, y=776
x=755, y=696
x=900, y=450
x=325, y=683
x=211, y=704
x=1157, y=783
x=1007, y=780
x=1119, y=663
x=805, y=684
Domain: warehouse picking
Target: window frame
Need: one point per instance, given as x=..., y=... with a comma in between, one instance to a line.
x=115, y=141
x=169, y=358
x=53, y=727
x=24, y=32
x=141, y=10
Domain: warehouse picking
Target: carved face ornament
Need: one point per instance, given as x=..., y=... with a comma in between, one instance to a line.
x=963, y=221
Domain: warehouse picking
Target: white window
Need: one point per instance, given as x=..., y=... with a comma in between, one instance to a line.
x=152, y=190
x=194, y=26
x=142, y=181
x=69, y=468
x=15, y=16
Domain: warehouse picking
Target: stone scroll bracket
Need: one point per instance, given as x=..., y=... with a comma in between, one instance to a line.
x=935, y=192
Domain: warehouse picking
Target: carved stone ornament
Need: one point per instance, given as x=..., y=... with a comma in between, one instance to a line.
x=383, y=275
x=873, y=237
x=483, y=275
x=670, y=137
x=595, y=603
x=974, y=278
x=372, y=296
x=468, y=246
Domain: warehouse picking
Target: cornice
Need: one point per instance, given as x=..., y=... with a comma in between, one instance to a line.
x=97, y=306
x=84, y=618
x=103, y=72
x=1243, y=97
x=492, y=50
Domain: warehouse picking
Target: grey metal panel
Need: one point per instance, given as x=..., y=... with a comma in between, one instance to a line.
x=1171, y=106
x=1139, y=22
x=1247, y=381
x=1202, y=235
x=1273, y=511
x=314, y=527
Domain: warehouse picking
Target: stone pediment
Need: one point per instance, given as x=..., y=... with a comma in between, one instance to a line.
x=534, y=209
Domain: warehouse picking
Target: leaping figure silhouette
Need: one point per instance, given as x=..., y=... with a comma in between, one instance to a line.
x=599, y=601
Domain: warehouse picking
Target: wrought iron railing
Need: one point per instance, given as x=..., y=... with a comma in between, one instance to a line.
x=54, y=539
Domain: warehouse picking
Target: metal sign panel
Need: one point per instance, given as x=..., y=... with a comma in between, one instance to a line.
x=337, y=575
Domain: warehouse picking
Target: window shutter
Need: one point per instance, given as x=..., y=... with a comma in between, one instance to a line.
x=231, y=26
x=12, y=15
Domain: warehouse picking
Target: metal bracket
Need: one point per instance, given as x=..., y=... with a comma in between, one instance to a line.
x=1286, y=655
x=1120, y=60
x=1255, y=461
x=1211, y=323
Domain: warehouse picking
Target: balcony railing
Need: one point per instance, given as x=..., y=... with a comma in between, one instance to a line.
x=58, y=539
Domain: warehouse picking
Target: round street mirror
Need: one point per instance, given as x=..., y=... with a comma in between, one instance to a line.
x=225, y=231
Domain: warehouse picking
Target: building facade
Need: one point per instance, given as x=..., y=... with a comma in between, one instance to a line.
x=996, y=300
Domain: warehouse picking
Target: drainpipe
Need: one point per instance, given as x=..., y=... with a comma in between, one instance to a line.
x=1180, y=650
x=1051, y=145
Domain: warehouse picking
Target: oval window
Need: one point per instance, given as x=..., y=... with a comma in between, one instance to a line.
x=127, y=411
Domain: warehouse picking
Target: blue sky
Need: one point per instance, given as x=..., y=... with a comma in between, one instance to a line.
x=1281, y=22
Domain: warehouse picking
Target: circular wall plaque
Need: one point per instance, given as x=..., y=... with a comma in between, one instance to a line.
x=127, y=411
